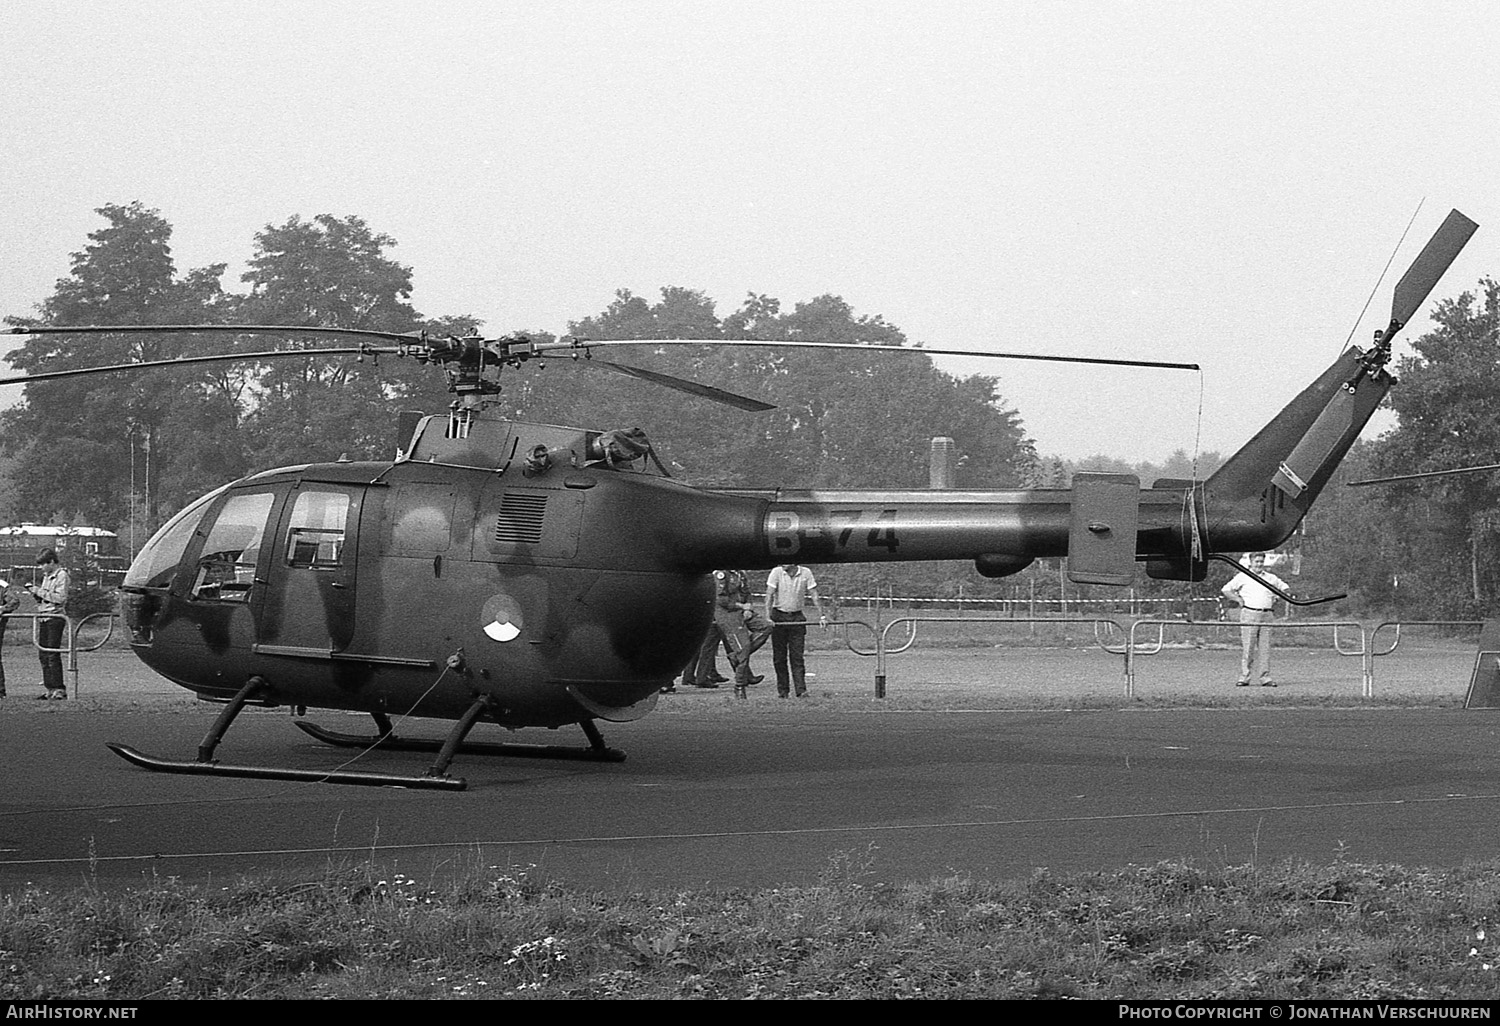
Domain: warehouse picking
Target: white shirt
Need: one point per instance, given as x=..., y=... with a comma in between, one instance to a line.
x=1251, y=593
x=788, y=593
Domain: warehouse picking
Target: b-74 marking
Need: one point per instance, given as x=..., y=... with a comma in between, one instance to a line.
x=788, y=533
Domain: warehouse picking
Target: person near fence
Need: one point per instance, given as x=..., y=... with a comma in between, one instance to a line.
x=51, y=595
x=788, y=588
x=9, y=603
x=1257, y=605
x=741, y=626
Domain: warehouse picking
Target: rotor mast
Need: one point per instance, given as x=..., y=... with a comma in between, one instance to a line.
x=473, y=366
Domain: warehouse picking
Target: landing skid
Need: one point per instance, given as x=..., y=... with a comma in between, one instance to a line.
x=256, y=689
x=218, y=769
x=597, y=752
x=436, y=777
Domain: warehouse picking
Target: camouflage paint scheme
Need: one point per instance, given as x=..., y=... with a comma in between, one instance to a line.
x=499, y=559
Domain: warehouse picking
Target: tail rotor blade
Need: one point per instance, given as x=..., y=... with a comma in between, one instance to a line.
x=1418, y=281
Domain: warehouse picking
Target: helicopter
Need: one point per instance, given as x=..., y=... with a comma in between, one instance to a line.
x=532, y=575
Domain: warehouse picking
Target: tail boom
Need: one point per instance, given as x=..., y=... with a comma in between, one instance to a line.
x=1254, y=501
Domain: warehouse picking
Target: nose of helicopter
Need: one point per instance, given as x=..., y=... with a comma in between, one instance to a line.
x=617, y=703
x=139, y=608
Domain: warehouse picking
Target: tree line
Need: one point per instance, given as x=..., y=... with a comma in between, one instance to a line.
x=127, y=450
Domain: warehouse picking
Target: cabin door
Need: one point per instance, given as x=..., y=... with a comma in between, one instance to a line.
x=309, y=598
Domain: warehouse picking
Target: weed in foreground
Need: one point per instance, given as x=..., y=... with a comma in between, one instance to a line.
x=1174, y=929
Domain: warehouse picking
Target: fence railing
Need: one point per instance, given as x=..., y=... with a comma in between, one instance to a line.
x=1134, y=651
x=882, y=633
x=1033, y=607
x=1110, y=635
x=1360, y=645
x=70, y=647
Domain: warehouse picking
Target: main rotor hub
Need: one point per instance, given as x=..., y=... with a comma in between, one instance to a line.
x=473, y=363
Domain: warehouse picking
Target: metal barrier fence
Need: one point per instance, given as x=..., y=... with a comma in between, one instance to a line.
x=1133, y=650
x=1373, y=651
x=1031, y=607
x=880, y=632
x=1363, y=647
x=882, y=650
x=71, y=630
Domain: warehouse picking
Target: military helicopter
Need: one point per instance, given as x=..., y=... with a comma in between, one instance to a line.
x=539, y=576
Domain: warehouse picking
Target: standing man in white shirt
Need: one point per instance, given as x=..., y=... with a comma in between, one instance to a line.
x=1257, y=604
x=788, y=588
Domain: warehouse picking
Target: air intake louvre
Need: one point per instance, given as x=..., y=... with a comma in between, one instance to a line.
x=521, y=517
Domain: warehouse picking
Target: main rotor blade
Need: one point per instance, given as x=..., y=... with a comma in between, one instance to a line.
x=1439, y=253
x=718, y=395
x=275, y=354
x=583, y=343
x=1418, y=477
x=222, y=329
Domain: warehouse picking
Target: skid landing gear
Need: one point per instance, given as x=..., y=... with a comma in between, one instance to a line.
x=385, y=738
x=436, y=777
x=219, y=769
x=204, y=765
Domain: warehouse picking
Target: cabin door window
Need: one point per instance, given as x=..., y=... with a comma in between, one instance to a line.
x=315, y=535
x=310, y=598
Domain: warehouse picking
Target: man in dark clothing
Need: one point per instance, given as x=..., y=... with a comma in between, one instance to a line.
x=703, y=671
x=742, y=628
x=52, y=602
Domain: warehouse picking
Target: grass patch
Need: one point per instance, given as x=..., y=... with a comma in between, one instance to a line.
x=1170, y=930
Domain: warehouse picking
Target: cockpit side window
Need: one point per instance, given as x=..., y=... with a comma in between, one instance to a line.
x=315, y=534
x=157, y=561
x=226, y=569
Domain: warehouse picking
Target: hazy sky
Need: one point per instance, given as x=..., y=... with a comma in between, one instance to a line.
x=1210, y=182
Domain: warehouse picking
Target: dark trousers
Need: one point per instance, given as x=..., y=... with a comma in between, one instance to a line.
x=3, y=622
x=788, y=648
x=703, y=669
x=742, y=637
x=49, y=634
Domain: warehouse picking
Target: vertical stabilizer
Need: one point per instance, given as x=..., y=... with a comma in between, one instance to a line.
x=1260, y=495
x=1257, y=498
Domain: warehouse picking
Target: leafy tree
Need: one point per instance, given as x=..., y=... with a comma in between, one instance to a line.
x=327, y=272
x=594, y=397
x=80, y=441
x=1180, y=466
x=1445, y=407
x=1101, y=464
x=1354, y=541
x=1183, y=466
x=843, y=418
